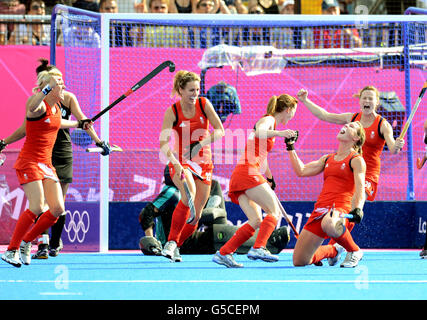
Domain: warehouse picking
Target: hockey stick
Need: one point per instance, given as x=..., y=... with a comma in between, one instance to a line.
x=99, y=149
x=285, y=215
x=138, y=85
x=414, y=109
x=2, y=158
x=190, y=199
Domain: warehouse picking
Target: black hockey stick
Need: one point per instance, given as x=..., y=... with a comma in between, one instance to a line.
x=138, y=85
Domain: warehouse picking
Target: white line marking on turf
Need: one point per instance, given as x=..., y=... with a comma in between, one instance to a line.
x=216, y=281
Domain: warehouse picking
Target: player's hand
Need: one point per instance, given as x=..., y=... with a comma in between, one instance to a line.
x=290, y=142
x=105, y=147
x=84, y=124
x=302, y=95
x=272, y=183
x=192, y=150
x=357, y=215
x=288, y=133
x=399, y=143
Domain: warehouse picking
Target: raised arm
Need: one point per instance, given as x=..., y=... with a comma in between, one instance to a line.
x=393, y=145
x=322, y=114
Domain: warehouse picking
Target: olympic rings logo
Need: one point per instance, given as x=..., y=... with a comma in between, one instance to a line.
x=78, y=225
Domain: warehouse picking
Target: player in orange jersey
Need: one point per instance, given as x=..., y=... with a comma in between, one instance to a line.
x=342, y=192
x=249, y=189
x=423, y=253
x=188, y=121
x=378, y=132
x=34, y=166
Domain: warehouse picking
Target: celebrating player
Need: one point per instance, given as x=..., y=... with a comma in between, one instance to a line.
x=34, y=166
x=343, y=188
x=378, y=132
x=250, y=189
x=423, y=253
x=188, y=119
x=62, y=160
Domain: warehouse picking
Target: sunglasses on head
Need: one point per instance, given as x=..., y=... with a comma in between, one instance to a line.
x=159, y=7
x=256, y=12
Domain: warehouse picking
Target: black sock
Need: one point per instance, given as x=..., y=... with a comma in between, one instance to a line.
x=56, y=230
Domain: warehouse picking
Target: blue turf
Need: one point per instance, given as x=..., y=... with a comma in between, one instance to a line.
x=380, y=275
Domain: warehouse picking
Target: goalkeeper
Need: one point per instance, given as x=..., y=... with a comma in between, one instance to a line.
x=155, y=220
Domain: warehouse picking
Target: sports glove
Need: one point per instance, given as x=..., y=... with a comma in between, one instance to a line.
x=2, y=145
x=273, y=183
x=82, y=123
x=193, y=150
x=357, y=215
x=105, y=146
x=291, y=141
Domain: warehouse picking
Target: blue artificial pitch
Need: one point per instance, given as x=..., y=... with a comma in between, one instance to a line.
x=132, y=276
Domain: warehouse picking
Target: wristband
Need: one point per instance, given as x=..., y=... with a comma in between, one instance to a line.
x=46, y=89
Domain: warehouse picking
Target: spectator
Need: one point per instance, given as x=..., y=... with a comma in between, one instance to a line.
x=90, y=5
x=283, y=38
x=80, y=35
x=9, y=7
x=32, y=34
x=158, y=36
x=140, y=6
x=117, y=28
x=311, y=6
x=268, y=6
x=201, y=37
x=335, y=38
x=236, y=6
x=51, y=3
x=255, y=36
x=183, y=6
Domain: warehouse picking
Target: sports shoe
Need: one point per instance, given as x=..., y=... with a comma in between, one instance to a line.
x=176, y=255
x=352, y=259
x=227, y=260
x=333, y=261
x=25, y=249
x=263, y=254
x=423, y=254
x=12, y=257
x=53, y=252
x=40, y=254
x=169, y=250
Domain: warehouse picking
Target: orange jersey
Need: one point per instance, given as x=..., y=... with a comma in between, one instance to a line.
x=372, y=148
x=338, y=184
x=41, y=133
x=192, y=130
x=247, y=174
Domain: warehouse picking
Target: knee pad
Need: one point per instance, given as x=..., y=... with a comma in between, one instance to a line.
x=150, y=246
x=278, y=240
x=146, y=216
x=212, y=216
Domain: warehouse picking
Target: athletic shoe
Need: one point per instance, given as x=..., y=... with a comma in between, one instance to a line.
x=176, y=255
x=25, y=249
x=333, y=261
x=423, y=254
x=352, y=259
x=263, y=254
x=227, y=260
x=40, y=254
x=12, y=257
x=53, y=252
x=169, y=250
